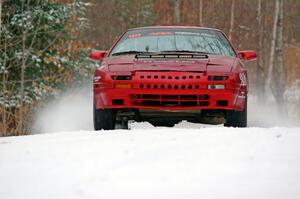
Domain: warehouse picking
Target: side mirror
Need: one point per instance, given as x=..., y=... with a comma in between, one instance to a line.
x=98, y=55
x=247, y=55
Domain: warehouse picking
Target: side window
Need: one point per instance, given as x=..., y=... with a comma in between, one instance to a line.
x=124, y=46
x=227, y=49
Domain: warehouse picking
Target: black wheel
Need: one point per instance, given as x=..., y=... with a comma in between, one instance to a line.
x=104, y=119
x=237, y=118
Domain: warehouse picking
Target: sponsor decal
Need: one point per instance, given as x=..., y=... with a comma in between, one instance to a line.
x=160, y=33
x=134, y=35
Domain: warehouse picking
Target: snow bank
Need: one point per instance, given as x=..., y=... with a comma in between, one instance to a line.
x=152, y=163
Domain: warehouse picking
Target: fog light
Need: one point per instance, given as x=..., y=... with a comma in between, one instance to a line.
x=216, y=86
x=122, y=85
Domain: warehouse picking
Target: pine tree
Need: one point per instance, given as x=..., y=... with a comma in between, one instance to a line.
x=34, y=62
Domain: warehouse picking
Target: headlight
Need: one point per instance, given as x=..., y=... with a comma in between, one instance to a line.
x=216, y=86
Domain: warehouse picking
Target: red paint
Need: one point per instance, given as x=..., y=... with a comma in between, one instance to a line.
x=98, y=55
x=189, y=77
x=247, y=55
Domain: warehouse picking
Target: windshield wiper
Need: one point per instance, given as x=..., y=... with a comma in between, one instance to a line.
x=128, y=52
x=183, y=51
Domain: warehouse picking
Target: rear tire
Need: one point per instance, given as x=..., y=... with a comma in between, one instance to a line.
x=104, y=119
x=237, y=118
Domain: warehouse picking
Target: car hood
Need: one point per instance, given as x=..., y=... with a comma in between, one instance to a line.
x=215, y=63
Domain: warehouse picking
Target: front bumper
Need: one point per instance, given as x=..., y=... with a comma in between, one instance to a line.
x=169, y=91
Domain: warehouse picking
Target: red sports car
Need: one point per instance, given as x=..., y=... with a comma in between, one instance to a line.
x=165, y=74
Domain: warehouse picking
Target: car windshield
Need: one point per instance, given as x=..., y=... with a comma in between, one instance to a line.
x=173, y=40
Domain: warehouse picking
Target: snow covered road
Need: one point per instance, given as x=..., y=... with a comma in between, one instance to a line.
x=147, y=162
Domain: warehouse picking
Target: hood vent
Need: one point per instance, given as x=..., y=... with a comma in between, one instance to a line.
x=170, y=56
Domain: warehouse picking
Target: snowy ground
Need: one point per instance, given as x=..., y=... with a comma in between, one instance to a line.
x=147, y=162
x=70, y=161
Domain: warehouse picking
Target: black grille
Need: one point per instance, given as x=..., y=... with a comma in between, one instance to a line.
x=118, y=102
x=222, y=103
x=170, y=100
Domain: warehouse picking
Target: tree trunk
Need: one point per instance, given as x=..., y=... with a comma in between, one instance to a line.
x=177, y=11
x=279, y=73
x=200, y=12
x=260, y=89
x=3, y=114
x=0, y=15
x=272, y=50
x=138, y=13
x=231, y=20
x=4, y=85
x=23, y=65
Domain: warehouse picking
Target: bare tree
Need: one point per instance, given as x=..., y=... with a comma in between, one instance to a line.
x=260, y=63
x=272, y=50
x=23, y=65
x=232, y=10
x=0, y=14
x=279, y=72
x=276, y=59
x=3, y=111
x=177, y=11
x=138, y=13
x=200, y=12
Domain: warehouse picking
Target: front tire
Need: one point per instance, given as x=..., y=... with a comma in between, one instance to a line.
x=237, y=118
x=104, y=119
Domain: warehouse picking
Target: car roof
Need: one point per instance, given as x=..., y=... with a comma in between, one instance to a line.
x=174, y=27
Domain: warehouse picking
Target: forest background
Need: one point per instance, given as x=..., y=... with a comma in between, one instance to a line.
x=44, y=46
